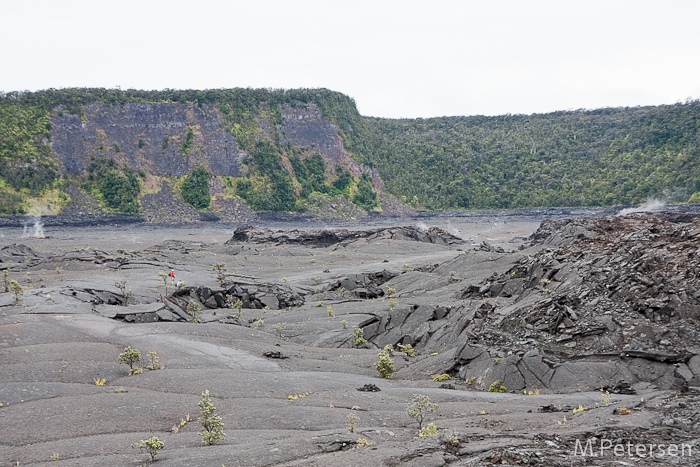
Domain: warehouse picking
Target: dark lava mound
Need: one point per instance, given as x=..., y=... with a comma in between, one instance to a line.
x=329, y=237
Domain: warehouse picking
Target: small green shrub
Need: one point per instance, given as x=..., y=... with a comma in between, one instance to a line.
x=121, y=285
x=130, y=357
x=117, y=187
x=235, y=305
x=195, y=311
x=213, y=426
x=392, y=304
x=17, y=290
x=279, y=329
x=407, y=349
x=154, y=365
x=385, y=364
x=220, y=269
x=163, y=276
x=357, y=336
x=428, y=431
x=497, y=386
x=442, y=377
x=352, y=421
x=419, y=407
x=152, y=446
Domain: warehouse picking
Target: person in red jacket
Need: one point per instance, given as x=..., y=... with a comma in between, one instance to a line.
x=172, y=276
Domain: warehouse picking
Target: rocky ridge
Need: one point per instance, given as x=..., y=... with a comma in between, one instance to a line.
x=598, y=301
x=251, y=234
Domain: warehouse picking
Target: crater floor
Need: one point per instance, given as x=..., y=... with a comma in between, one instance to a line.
x=64, y=334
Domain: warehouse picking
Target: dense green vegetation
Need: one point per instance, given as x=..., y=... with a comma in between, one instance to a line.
x=580, y=158
x=273, y=189
x=365, y=197
x=25, y=158
x=11, y=202
x=195, y=188
x=116, y=186
x=574, y=158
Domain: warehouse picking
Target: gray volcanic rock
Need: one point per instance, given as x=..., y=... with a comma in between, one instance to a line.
x=365, y=285
x=77, y=219
x=618, y=300
x=17, y=252
x=330, y=237
x=60, y=341
x=608, y=300
x=252, y=295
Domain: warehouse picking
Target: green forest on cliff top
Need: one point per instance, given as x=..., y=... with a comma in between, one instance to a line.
x=600, y=157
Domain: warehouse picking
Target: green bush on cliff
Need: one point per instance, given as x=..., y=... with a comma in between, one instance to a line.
x=271, y=188
x=302, y=175
x=317, y=172
x=343, y=181
x=187, y=144
x=118, y=188
x=311, y=175
x=25, y=157
x=11, y=202
x=365, y=197
x=195, y=188
x=121, y=190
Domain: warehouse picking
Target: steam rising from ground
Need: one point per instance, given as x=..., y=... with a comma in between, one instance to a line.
x=36, y=231
x=454, y=231
x=652, y=205
x=422, y=226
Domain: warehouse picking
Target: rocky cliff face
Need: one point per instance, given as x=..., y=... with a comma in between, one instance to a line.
x=148, y=137
x=306, y=127
x=171, y=139
x=151, y=137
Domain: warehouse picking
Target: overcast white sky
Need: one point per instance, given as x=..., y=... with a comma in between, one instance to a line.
x=395, y=58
